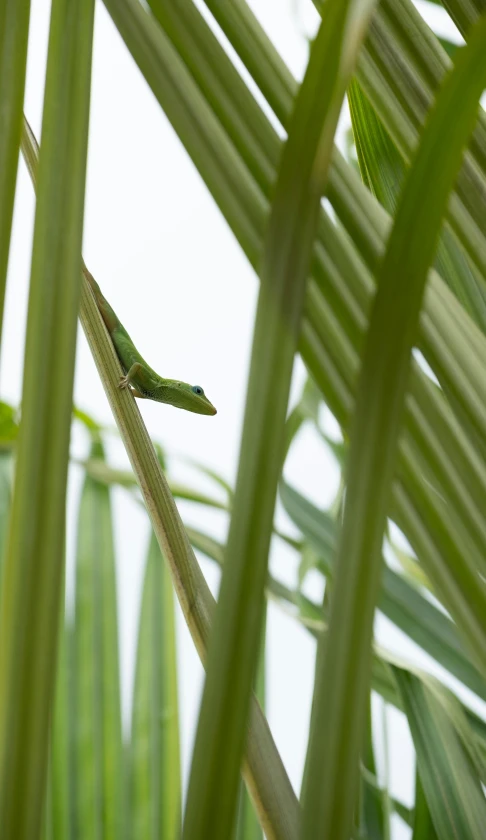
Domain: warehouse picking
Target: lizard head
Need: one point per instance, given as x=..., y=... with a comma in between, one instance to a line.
x=183, y=395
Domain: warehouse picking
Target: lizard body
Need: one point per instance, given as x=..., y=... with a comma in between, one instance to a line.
x=142, y=380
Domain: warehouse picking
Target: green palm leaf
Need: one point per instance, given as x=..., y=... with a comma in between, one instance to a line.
x=32, y=582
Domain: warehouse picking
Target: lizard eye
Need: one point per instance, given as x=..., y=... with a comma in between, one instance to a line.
x=198, y=390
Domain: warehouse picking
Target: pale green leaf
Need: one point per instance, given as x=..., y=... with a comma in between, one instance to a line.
x=98, y=757
x=155, y=772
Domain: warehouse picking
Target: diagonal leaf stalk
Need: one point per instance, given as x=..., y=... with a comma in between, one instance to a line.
x=343, y=682
x=33, y=577
x=267, y=781
x=14, y=30
x=212, y=792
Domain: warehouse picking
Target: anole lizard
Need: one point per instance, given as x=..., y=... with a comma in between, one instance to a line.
x=139, y=377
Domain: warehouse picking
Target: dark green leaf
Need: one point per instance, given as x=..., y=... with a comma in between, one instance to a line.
x=423, y=827
x=14, y=30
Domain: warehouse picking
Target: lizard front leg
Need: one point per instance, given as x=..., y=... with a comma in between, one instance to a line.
x=126, y=381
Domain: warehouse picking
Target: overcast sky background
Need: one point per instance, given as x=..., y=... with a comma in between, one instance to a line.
x=169, y=265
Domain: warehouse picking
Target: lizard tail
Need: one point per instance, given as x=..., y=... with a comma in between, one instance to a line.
x=109, y=316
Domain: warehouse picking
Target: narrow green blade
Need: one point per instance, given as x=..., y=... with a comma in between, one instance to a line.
x=99, y=790
x=103, y=472
x=247, y=826
x=59, y=804
x=32, y=581
x=14, y=30
x=450, y=780
x=155, y=776
x=6, y=460
x=423, y=827
x=375, y=819
x=343, y=683
x=286, y=260
x=382, y=169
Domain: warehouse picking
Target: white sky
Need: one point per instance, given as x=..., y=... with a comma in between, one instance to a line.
x=169, y=265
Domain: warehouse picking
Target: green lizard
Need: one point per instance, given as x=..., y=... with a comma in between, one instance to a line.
x=139, y=377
